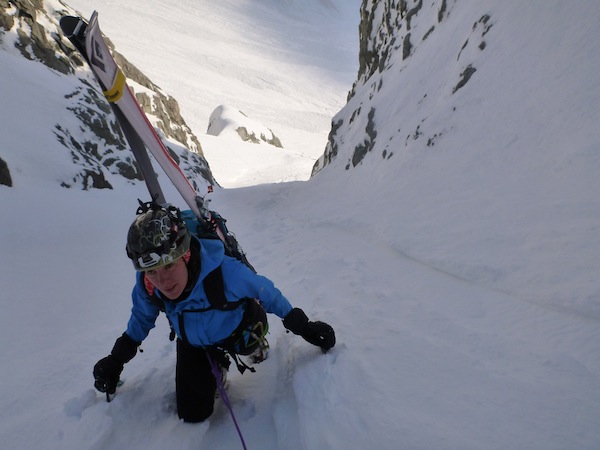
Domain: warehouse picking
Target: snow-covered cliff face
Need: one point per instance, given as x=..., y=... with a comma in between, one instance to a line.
x=83, y=124
x=379, y=119
x=472, y=125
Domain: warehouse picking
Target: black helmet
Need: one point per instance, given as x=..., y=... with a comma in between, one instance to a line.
x=157, y=237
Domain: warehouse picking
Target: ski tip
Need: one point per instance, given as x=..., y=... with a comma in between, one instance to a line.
x=68, y=25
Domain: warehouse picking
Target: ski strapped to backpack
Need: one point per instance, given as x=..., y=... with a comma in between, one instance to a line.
x=87, y=38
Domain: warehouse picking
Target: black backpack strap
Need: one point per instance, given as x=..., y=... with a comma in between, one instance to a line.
x=215, y=291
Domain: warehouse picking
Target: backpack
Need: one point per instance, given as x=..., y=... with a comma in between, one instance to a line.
x=214, y=227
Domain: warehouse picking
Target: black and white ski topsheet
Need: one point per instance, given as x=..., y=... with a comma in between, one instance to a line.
x=87, y=38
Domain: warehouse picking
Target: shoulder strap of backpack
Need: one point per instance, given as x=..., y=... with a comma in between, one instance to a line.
x=214, y=288
x=215, y=291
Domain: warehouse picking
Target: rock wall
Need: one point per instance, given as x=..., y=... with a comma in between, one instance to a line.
x=391, y=32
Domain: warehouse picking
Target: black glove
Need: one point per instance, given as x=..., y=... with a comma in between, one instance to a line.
x=106, y=374
x=316, y=333
x=108, y=370
x=320, y=334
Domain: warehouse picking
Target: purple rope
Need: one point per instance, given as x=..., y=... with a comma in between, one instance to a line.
x=223, y=393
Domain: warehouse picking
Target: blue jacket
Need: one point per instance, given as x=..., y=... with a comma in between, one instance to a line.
x=209, y=327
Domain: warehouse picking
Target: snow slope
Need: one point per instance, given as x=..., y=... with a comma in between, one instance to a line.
x=429, y=356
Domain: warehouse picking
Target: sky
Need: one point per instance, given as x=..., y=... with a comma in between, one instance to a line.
x=461, y=278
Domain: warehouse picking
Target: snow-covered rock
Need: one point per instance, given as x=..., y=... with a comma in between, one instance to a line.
x=229, y=121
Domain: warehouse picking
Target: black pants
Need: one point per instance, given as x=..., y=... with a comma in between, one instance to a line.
x=194, y=383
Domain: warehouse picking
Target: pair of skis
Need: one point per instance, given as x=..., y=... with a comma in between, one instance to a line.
x=139, y=132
